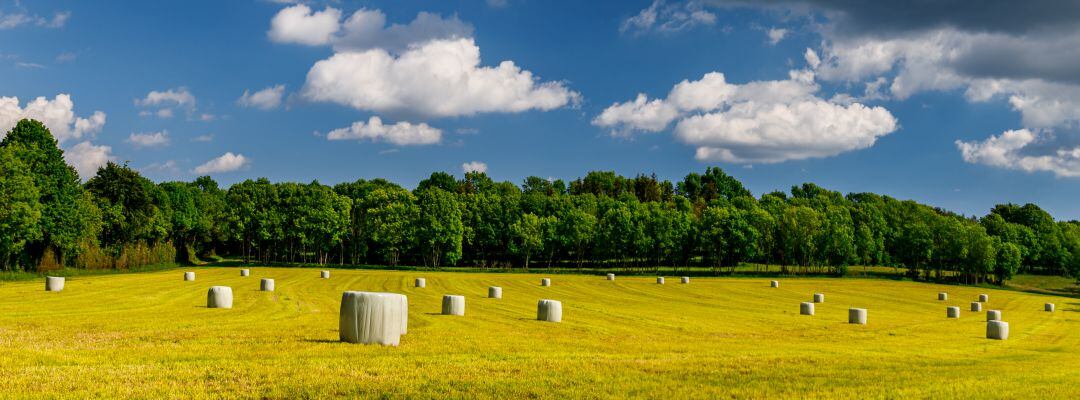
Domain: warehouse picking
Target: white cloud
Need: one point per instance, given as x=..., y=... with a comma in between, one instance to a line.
x=151, y=139
x=57, y=114
x=14, y=20
x=1008, y=151
x=266, y=99
x=87, y=158
x=497, y=3
x=776, y=35
x=164, y=113
x=207, y=117
x=168, y=167
x=364, y=29
x=203, y=138
x=400, y=134
x=179, y=97
x=474, y=166
x=663, y=17
x=228, y=162
x=755, y=122
x=299, y=24
x=440, y=78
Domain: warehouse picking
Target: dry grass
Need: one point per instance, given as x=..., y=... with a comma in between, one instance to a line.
x=149, y=335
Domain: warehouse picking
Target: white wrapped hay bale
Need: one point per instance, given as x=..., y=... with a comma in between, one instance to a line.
x=545, y=282
x=774, y=283
x=659, y=280
x=993, y=315
x=806, y=308
x=819, y=297
x=610, y=277
x=984, y=298
x=976, y=306
x=549, y=310
x=856, y=316
x=453, y=305
x=219, y=297
x=943, y=296
x=1048, y=307
x=420, y=283
x=189, y=276
x=685, y=279
x=54, y=283
x=369, y=317
x=494, y=292
x=952, y=312
x=266, y=285
x=324, y=274
x=997, y=330
x=245, y=272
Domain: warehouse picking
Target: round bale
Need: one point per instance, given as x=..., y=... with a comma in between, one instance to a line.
x=659, y=280
x=266, y=285
x=856, y=316
x=993, y=315
x=942, y=296
x=545, y=282
x=976, y=306
x=420, y=282
x=54, y=283
x=373, y=318
x=245, y=272
x=549, y=310
x=219, y=297
x=453, y=305
x=324, y=274
x=952, y=312
x=984, y=298
x=998, y=330
x=610, y=277
x=1048, y=307
x=819, y=297
x=494, y=292
x=189, y=276
x=685, y=279
x=806, y=308
x=774, y=283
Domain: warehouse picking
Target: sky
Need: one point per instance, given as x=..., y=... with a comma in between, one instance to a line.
x=960, y=105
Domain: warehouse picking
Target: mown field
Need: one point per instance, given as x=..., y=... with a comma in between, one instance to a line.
x=149, y=335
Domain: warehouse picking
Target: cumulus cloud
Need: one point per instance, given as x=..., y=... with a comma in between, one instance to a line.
x=663, y=17
x=776, y=35
x=400, y=134
x=755, y=122
x=87, y=158
x=57, y=114
x=474, y=166
x=266, y=99
x=228, y=162
x=162, y=102
x=1007, y=150
x=440, y=78
x=1022, y=53
x=364, y=29
x=150, y=139
x=300, y=24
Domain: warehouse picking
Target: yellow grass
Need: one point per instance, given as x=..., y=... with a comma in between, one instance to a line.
x=149, y=335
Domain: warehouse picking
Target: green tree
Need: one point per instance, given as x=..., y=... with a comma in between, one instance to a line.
x=21, y=212
x=438, y=227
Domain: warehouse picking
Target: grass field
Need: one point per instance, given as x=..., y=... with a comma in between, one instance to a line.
x=149, y=335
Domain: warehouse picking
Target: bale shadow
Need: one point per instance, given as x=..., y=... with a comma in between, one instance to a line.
x=321, y=341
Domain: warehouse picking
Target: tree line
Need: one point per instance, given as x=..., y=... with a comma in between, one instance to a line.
x=120, y=219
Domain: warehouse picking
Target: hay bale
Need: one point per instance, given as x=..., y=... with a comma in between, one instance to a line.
x=1048, y=307
x=189, y=276
x=369, y=317
x=952, y=312
x=549, y=310
x=245, y=272
x=976, y=306
x=993, y=315
x=420, y=283
x=494, y=292
x=54, y=283
x=324, y=274
x=267, y=285
x=610, y=277
x=997, y=330
x=545, y=282
x=819, y=297
x=659, y=280
x=856, y=316
x=453, y=305
x=943, y=296
x=685, y=279
x=806, y=308
x=219, y=297
x=984, y=298
x=774, y=283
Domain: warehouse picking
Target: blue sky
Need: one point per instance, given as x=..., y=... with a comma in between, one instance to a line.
x=913, y=109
